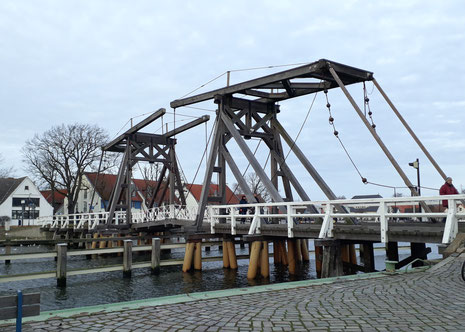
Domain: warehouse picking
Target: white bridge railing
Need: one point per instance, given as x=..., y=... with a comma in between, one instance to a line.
x=292, y=213
x=92, y=220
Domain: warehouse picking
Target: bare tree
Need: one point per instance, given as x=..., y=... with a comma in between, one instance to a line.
x=5, y=172
x=59, y=157
x=256, y=186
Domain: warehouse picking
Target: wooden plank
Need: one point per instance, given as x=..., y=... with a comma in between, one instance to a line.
x=187, y=126
x=12, y=300
x=28, y=311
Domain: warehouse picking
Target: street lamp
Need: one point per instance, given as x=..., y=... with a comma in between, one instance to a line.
x=23, y=205
x=416, y=165
x=32, y=216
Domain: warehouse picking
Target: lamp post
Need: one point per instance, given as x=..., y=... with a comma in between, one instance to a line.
x=32, y=207
x=416, y=165
x=23, y=206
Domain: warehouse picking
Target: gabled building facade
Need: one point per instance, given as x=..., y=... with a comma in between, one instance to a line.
x=22, y=202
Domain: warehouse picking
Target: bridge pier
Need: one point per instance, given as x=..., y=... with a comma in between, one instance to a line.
x=418, y=250
x=332, y=260
x=229, y=253
x=192, y=255
x=259, y=258
x=392, y=251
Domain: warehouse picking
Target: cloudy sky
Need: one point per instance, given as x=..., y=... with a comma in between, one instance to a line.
x=106, y=62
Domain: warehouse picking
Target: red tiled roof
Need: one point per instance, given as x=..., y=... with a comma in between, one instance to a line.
x=105, y=185
x=59, y=196
x=196, y=190
x=146, y=187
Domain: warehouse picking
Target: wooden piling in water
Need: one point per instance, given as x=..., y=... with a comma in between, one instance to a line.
x=254, y=259
x=231, y=249
x=291, y=255
x=7, y=252
x=225, y=255
x=318, y=260
x=127, y=258
x=198, y=256
x=304, y=250
x=188, y=256
x=264, y=260
x=155, y=261
x=62, y=249
x=94, y=243
x=298, y=251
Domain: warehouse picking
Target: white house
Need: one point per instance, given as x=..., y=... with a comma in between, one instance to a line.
x=22, y=202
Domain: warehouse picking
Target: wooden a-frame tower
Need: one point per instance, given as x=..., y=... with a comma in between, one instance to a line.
x=249, y=109
x=138, y=146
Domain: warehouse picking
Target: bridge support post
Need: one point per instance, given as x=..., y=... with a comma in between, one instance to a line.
x=318, y=260
x=94, y=243
x=155, y=264
x=88, y=244
x=7, y=252
x=254, y=260
x=127, y=258
x=62, y=249
x=188, y=256
x=291, y=255
x=392, y=251
x=231, y=249
x=304, y=250
x=198, y=256
x=368, y=256
x=418, y=250
x=332, y=260
x=264, y=260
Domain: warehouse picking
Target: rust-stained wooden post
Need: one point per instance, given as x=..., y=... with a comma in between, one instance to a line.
x=291, y=255
x=155, y=261
x=7, y=252
x=127, y=258
x=62, y=249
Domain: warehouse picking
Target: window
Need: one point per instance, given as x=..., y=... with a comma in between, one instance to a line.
x=28, y=202
x=85, y=194
x=26, y=187
x=28, y=214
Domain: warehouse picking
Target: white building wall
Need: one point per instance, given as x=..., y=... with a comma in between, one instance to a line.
x=26, y=189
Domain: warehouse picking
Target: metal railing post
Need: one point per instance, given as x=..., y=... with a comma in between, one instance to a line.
x=383, y=222
x=233, y=221
x=327, y=226
x=290, y=222
x=212, y=220
x=451, y=226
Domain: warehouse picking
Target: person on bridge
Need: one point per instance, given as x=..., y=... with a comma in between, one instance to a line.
x=447, y=189
x=243, y=210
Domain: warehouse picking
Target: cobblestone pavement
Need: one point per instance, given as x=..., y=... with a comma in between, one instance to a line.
x=433, y=300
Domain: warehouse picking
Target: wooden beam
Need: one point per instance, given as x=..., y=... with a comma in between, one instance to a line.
x=187, y=126
x=136, y=128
